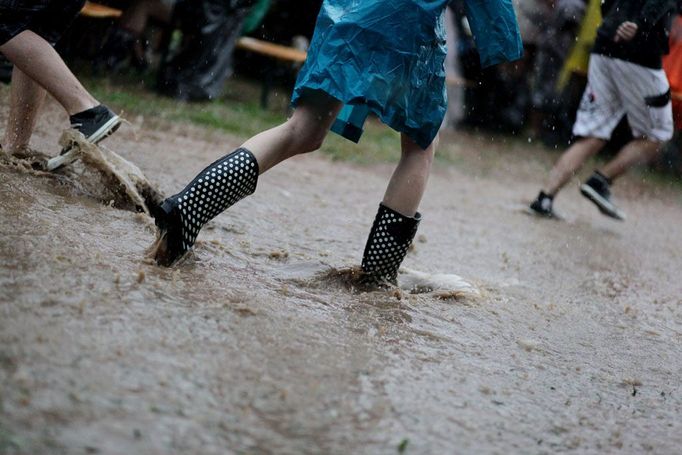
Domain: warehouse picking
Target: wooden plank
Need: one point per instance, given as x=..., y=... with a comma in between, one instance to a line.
x=271, y=49
x=95, y=10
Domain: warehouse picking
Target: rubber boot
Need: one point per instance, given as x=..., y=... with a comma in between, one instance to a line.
x=216, y=188
x=389, y=239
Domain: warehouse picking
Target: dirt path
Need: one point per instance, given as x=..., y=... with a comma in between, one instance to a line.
x=574, y=345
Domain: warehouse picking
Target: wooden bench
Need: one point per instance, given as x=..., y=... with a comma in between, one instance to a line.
x=97, y=11
x=274, y=51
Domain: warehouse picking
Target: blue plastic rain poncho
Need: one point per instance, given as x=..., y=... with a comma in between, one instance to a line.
x=388, y=56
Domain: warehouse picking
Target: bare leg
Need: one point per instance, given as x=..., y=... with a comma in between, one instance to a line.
x=571, y=161
x=397, y=219
x=39, y=61
x=302, y=133
x=637, y=151
x=408, y=182
x=26, y=98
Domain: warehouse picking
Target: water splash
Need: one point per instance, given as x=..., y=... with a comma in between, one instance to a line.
x=129, y=186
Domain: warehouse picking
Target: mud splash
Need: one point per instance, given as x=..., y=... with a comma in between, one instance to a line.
x=100, y=173
x=438, y=285
x=129, y=187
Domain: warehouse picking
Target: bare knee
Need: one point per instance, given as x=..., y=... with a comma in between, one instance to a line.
x=590, y=145
x=305, y=136
x=413, y=152
x=651, y=145
x=312, y=140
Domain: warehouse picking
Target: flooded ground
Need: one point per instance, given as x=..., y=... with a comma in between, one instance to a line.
x=254, y=345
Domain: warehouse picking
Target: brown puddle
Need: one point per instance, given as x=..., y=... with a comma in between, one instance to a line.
x=260, y=343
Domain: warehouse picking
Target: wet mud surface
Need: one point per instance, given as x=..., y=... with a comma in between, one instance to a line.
x=257, y=344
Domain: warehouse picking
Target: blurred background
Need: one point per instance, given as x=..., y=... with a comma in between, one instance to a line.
x=222, y=51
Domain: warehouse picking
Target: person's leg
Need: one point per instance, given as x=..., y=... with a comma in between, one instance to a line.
x=570, y=163
x=39, y=61
x=125, y=41
x=408, y=182
x=302, y=133
x=601, y=109
x=136, y=16
x=597, y=188
x=637, y=151
x=396, y=222
x=564, y=169
x=233, y=177
x=645, y=93
x=26, y=99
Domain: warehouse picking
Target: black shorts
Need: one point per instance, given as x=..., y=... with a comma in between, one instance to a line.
x=47, y=18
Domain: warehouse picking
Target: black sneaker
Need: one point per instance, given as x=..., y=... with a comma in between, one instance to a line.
x=596, y=189
x=95, y=124
x=542, y=206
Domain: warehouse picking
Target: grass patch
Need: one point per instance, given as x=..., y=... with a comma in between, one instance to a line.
x=239, y=113
x=229, y=113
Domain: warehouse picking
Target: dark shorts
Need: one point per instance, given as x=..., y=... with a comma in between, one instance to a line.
x=47, y=18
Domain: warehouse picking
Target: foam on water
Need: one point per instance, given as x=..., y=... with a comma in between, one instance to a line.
x=438, y=285
x=441, y=285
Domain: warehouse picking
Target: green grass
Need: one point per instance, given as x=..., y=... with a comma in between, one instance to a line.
x=239, y=113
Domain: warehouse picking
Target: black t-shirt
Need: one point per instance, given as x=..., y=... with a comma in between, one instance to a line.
x=653, y=19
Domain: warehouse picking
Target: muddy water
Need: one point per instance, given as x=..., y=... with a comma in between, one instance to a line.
x=255, y=345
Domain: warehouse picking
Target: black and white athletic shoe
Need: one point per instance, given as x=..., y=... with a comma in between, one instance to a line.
x=216, y=188
x=596, y=189
x=542, y=206
x=96, y=124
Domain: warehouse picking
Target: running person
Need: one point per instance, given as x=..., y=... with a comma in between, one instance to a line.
x=384, y=56
x=625, y=77
x=28, y=30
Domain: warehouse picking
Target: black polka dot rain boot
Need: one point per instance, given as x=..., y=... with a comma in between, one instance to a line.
x=219, y=186
x=387, y=245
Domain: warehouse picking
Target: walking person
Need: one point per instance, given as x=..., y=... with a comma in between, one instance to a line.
x=383, y=57
x=28, y=32
x=625, y=77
